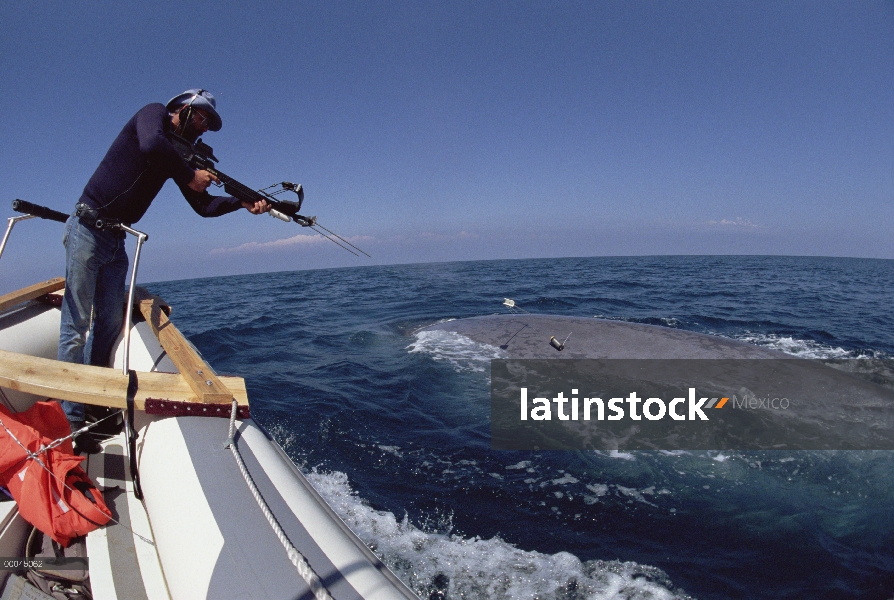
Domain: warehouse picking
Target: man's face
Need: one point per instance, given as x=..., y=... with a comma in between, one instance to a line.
x=200, y=119
x=197, y=124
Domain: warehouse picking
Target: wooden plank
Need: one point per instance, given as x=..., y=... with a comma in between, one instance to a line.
x=198, y=375
x=31, y=292
x=99, y=385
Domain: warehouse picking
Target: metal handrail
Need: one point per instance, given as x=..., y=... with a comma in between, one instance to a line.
x=12, y=221
x=141, y=238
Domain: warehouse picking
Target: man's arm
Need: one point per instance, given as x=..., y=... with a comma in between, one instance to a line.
x=207, y=205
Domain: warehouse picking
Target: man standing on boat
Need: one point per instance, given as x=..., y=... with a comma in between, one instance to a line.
x=139, y=162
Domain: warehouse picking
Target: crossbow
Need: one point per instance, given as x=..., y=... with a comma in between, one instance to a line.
x=200, y=155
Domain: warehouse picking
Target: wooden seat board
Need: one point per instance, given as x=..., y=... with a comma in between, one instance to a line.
x=99, y=385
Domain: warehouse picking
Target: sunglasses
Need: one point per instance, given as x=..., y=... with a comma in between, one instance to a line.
x=199, y=118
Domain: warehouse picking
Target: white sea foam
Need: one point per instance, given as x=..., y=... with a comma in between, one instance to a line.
x=600, y=489
x=636, y=494
x=797, y=347
x=522, y=465
x=492, y=569
x=463, y=353
x=565, y=479
x=621, y=455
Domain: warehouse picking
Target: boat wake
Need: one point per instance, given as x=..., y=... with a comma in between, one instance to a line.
x=438, y=564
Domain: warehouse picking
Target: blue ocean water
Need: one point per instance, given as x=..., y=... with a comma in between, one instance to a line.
x=392, y=427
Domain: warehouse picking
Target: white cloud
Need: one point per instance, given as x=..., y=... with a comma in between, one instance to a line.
x=285, y=243
x=737, y=222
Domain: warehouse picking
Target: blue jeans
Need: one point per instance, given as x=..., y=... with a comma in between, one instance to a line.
x=95, y=272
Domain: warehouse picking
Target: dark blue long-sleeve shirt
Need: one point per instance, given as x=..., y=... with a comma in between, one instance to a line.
x=137, y=165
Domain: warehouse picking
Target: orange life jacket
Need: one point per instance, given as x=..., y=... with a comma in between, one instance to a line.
x=61, y=511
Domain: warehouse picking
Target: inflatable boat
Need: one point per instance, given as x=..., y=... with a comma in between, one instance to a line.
x=205, y=504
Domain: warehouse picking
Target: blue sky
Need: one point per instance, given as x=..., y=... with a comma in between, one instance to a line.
x=467, y=130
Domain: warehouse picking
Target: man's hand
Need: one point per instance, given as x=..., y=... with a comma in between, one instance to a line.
x=256, y=208
x=201, y=180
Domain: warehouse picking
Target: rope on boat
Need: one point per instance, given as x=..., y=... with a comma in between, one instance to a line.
x=304, y=569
